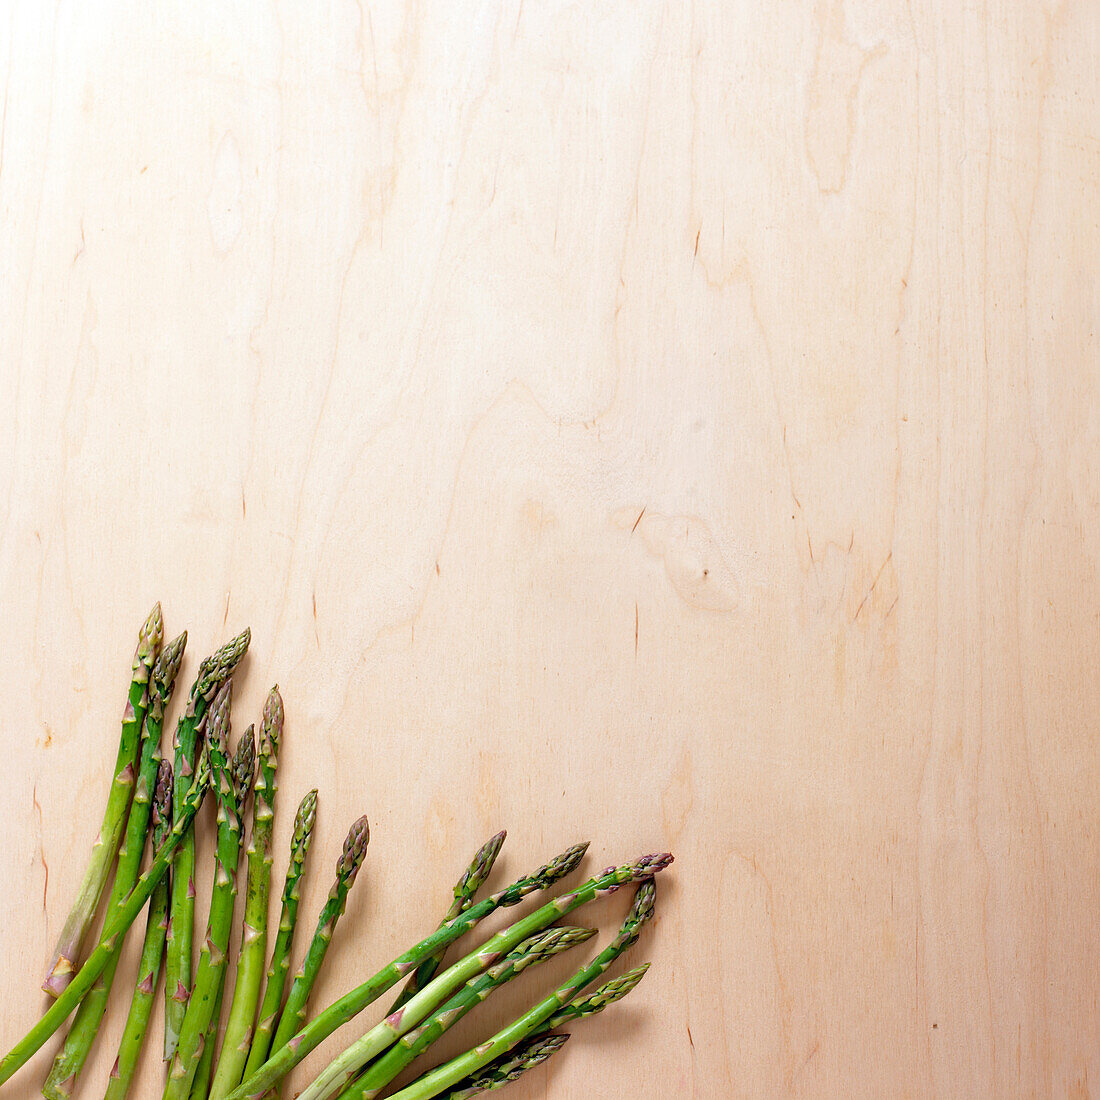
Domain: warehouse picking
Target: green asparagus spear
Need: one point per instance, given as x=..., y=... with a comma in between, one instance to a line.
x=437, y=991
x=111, y=939
x=152, y=951
x=64, y=959
x=464, y=891
x=280, y=956
x=200, y=1086
x=237, y=1039
x=601, y=998
x=536, y=1049
x=532, y=951
x=85, y=1026
x=243, y=768
x=507, y=1068
x=450, y=1073
x=210, y=972
x=339, y=1012
x=212, y=674
x=347, y=867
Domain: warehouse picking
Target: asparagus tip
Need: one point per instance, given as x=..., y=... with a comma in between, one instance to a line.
x=153, y=627
x=244, y=762
x=355, y=848
x=271, y=727
x=162, y=795
x=217, y=722
x=168, y=665
x=305, y=817
x=648, y=866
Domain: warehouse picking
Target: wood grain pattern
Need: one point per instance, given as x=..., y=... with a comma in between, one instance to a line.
x=670, y=424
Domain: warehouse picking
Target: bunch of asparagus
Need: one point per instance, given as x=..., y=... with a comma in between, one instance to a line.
x=264, y=1038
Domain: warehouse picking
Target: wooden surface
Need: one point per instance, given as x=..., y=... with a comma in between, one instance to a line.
x=670, y=425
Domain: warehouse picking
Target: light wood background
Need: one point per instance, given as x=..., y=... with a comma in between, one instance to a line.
x=674, y=425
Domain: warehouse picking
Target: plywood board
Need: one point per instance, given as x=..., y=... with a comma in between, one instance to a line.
x=670, y=425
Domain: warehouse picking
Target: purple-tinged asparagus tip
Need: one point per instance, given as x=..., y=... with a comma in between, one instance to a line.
x=217, y=722
x=152, y=630
x=355, y=847
x=244, y=763
x=648, y=866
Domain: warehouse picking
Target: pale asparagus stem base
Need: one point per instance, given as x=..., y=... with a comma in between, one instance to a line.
x=213, y=672
x=210, y=972
x=85, y=978
x=85, y=1026
x=431, y=1084
x=63, y=961
x=250, y=967
x=279, y=967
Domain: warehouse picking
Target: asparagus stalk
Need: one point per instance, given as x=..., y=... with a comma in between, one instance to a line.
x=450, y=1073
x=242, y=768
x=237, y=1039
x=437, y=991
x=509, y=1067
x=347, y=867
x=532, y=951
x=116, y=928
x=200, y=1087
x=213, y=673
x=210, y=972
x=536, y=1049
x=141, y=1005
x=464, y=891
x=64, y=959
x=280, y=956
x=601, y=998
x=351, y=1003
x=85, y=1026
